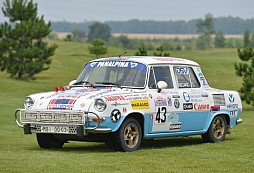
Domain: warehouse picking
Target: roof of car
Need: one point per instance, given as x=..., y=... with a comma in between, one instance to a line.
x=149, y=60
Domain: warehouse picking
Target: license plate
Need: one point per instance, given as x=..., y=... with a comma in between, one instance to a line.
x=55, y=129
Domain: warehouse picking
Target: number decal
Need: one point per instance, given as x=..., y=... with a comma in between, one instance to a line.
x=161, y=115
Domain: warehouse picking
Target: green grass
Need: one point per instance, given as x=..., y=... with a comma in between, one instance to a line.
x=20, y=153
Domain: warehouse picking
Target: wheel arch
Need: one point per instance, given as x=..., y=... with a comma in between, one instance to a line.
x=226, y=117
x=215, y=115
x=139, y=117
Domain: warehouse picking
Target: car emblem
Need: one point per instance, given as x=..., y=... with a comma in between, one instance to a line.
x=177, y=103
x=115, y=115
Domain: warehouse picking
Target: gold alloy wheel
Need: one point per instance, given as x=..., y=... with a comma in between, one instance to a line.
x=218, y=127
x=131, y=135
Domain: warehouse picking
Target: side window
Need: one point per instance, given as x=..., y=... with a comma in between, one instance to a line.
x=194, y=81
x=186, y=77
x=151, y=82
x=160, y=74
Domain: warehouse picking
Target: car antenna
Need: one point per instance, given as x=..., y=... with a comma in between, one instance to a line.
x=119, y=56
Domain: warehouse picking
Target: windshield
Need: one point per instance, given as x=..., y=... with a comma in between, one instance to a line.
x=119, y=73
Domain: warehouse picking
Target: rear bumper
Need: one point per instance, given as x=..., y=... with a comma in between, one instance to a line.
x=239, y=121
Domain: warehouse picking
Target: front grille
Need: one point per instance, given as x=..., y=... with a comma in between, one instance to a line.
x=63, y=117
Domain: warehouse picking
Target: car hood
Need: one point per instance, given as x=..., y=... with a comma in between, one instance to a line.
x=77, y=99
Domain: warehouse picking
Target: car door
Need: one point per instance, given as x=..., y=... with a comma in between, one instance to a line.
x=161, y=101
x=194, y=103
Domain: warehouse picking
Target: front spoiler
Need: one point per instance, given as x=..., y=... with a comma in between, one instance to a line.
x=81, y=129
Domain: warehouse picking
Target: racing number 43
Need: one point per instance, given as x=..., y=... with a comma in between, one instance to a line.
x=161, y=115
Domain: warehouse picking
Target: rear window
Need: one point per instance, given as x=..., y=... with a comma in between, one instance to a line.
x=186, y=77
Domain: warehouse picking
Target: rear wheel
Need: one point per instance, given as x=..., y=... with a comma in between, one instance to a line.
x=217, y=130
x=127, y=138
x=48, y=141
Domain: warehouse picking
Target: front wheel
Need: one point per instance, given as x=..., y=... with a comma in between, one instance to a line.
x=48, y=141
x=216, y=131
x=127, y=138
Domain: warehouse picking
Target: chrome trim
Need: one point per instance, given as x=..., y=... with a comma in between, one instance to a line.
x=19, y=119
x=239, y=121
x=99, y=130
x=16, y=119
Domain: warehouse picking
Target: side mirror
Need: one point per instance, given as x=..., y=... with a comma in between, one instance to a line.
x=72, y=82
x=161, y=85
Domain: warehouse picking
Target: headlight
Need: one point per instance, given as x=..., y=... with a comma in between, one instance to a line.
x=100, y=105
x=28, y=102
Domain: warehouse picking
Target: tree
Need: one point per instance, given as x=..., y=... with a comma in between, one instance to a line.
x=98, y=48
x=142, y=51
x=245, y=70
x=23, y=53
x=252, y=40
x=68, y=37
x=160, y=52
x=246, y=38
x=205, y=29
x=125, y=41
x=99, y=31
x=219, y=40
x=79, y=36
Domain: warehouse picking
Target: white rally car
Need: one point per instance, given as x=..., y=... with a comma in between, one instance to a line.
x=124, y=100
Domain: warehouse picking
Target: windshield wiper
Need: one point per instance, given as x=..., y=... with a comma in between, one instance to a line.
x=108, y=83
x=83, y=82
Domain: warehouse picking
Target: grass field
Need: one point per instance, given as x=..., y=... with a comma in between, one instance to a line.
x=20, y=153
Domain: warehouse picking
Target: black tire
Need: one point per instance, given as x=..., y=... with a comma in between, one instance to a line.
x=127, y=138
x=48, y=141
x=217, y=130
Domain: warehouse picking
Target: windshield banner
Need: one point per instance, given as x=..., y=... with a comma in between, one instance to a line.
x=119, y=64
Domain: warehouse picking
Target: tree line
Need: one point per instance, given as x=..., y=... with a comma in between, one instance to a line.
x=228, y=25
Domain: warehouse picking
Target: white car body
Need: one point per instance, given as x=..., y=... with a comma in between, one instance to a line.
x=160, y=97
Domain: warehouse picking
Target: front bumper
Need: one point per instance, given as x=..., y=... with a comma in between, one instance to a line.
x=58, y=122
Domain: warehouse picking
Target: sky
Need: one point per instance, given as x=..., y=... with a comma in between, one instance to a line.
x=123, y=10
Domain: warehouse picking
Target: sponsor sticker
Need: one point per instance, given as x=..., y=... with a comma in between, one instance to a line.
x=182, y=70
x=119, y=64
x=215, y=108
x=232, y=106
x=139, y=104
x=196, y=98
x=187, y=106
x=62, y=104
x=233, y=113
x=184, y=85
x=186, y=96
x=201, y=106
x=176, y=103
x=114, y=98
x=173, y=117
x=160, y=101
x=169, y=59
x=231, y=98
x=169, y=100
x=175, y=126
x=115, y=115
